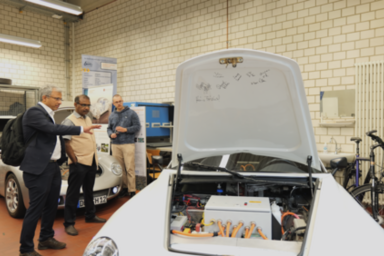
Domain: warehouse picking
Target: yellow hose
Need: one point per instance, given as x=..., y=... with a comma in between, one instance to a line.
x=192, y=235
x=209, y=224
x=261, y=234
x=250, y=231
x=235, y=230
x=246, y=232
x=220, y=228
x=228, y=228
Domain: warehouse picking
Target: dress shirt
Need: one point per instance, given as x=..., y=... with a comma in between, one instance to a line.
x=57, y=151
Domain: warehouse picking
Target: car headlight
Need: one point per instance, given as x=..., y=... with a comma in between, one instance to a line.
x=102, y=246
x=116, y=168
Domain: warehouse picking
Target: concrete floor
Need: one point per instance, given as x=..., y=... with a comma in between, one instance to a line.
x=10, y=229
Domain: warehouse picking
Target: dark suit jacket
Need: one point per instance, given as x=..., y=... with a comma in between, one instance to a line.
x=40, y=149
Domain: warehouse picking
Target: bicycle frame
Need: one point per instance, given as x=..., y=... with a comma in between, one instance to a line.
x=374, y=197
x=357, y=164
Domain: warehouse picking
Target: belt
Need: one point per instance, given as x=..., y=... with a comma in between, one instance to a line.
x=53, y=161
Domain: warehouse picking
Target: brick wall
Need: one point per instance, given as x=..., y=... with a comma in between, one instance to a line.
x=29, y=66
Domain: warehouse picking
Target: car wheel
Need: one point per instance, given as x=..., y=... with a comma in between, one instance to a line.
x=14, y=198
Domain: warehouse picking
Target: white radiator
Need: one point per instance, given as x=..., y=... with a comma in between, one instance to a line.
x=370, y=110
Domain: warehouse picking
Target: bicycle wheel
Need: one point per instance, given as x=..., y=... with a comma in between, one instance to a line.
x=362, y=195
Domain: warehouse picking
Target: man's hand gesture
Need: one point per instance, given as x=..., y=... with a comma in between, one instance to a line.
x=89, y=129
x=121, y=129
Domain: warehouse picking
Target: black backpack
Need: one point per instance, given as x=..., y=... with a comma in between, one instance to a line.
x=12, y=141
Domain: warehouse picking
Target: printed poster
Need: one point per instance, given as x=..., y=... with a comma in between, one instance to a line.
x=98, y=71
x=102, y=140
x=101, y=103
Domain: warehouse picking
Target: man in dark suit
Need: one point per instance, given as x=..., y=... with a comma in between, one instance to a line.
x=41, y=172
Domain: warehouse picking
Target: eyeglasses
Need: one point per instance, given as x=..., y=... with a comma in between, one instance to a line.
x=85, y=105
x=56, y=98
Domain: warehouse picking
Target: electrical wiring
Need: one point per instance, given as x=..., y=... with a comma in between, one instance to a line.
x=261, y=234
x=235, y=230
x=179, y=209
x=209, y=224
x=228, y=228
x=220, y=228
x=282, y=219
x=244, y=167
x=189, y=208
x=195, y=234
x=291, y=232
x=253, y=225
x=246, y=231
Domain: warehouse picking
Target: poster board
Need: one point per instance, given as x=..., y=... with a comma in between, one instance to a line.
x=98, y=71
x=99, y=82
x=101, y=103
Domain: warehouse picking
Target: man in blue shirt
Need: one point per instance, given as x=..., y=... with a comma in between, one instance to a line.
x=122, y=126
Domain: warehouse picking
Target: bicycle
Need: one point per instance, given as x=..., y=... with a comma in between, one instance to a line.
x=352, y=172
x=375, y=188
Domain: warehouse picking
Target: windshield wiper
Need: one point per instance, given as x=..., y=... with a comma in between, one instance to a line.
x=259, y=180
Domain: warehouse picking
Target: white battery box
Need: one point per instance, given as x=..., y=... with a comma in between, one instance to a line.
x=239, y=208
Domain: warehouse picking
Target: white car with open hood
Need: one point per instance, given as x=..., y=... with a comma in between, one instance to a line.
x=245, y=176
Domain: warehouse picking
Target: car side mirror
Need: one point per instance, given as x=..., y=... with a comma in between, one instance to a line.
x=340, y=162
x=157, y=160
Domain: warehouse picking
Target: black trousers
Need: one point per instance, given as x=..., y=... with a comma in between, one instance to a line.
x=80, y=175
x=44, y=192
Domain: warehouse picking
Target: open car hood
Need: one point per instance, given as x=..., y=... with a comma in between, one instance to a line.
x=257, y=106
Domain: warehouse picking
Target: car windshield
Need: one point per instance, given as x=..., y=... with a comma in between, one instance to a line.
x=246, y=162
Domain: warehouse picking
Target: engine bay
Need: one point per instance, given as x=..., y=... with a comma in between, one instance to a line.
x=252, y=212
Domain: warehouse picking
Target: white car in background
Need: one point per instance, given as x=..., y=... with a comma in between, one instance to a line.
x=245, y=176
x=107, y=183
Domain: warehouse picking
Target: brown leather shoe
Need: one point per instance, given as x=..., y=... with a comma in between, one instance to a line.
x=95, y=220
x=51, y=243
x=70, y=230
x=34, y=253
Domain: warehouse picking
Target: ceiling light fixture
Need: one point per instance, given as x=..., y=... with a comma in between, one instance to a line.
x=59, y=5
x=57, y=16
x=20, y=41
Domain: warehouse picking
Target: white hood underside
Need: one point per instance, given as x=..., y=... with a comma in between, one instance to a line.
x=259, y=107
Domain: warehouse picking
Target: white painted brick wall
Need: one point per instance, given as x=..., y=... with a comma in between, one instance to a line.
x=29, y=66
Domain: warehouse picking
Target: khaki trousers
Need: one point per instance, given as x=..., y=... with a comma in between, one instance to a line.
x=125, y=155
